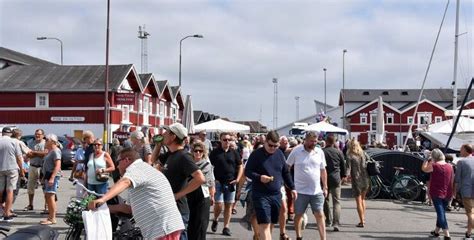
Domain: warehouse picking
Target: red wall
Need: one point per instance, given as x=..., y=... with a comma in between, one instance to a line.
x=17, y=99
x=76, y=99
x=91, y=116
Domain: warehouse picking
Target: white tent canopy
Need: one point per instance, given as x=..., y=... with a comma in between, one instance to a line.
x=465, y=112
x=464, y=125
x=220, y=125
x=441, y=140
x=325, y=127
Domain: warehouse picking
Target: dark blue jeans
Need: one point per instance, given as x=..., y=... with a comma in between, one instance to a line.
x=184, y=233
x=440, y=206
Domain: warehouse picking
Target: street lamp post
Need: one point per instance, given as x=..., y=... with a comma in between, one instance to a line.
x=57, y=39
x=297, y=98
x=180, y=46
x=343, y=88
x=324, y=69
x=275, y=103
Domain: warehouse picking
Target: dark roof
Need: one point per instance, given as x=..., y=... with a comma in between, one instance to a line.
x=255, y=126
x=61, y=78
x=144, y=78
x=401, y=95
x=174, y=91
x=21, y=58
x=161, y=85
x=197, y=115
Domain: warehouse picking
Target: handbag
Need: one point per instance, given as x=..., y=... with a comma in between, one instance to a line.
x=373, y=167
x=101, y=177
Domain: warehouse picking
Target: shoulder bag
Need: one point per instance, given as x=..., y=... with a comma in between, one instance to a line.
x=101, y=177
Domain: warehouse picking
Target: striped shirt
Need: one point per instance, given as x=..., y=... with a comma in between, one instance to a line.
x=152, y=201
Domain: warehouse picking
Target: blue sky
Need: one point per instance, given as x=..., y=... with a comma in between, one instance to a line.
x=247, y=43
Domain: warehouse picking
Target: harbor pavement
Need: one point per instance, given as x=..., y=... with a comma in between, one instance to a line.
x=386, y=219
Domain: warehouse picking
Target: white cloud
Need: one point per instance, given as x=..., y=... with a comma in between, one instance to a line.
x=247, y=43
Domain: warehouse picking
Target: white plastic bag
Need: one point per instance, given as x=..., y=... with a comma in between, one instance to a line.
x=97, y=223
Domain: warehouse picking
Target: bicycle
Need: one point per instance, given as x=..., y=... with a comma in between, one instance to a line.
x=126, y=229
x=404, y=187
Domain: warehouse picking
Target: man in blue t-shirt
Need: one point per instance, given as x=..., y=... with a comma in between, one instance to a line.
x=268, y=170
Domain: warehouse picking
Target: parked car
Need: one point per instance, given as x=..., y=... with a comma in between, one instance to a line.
x=68, y=146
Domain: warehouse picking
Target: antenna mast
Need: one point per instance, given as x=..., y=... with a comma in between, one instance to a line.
x=143, y=36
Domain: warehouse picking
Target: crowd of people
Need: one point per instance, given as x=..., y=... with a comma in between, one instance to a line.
x=174, y=180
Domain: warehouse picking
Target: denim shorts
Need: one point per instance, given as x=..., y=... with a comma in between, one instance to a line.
x=53, y=188
x=302, y=201
x=224, y=193
x=98, y=188
x=267, y=207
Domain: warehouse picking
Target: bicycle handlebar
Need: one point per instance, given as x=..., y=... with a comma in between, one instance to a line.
x=76, y=182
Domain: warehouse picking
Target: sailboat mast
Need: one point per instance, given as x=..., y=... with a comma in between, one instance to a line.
x=455, y=73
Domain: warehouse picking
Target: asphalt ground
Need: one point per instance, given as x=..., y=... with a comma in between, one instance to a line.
x=386, y=219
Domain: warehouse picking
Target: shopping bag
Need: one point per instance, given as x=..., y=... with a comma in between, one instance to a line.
x=97, y=223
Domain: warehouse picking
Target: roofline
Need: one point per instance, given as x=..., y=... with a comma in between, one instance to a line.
x=424, y=100
x=370, y=103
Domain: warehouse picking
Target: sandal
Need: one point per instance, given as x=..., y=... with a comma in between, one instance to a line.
x=28, y=208
x=283, y=236
x=45, y=211
x=434, y=234
x=361, y=225
x=48, y=221
x=234, y=211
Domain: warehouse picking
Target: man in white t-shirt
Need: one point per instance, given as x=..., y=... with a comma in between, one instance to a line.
x=310, y=173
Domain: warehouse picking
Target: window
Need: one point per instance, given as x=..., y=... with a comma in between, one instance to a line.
x=373, y=122
x=146, y=105
x=125, y=113
x=162, y=109
x=438, y=119
x=150, y=107
x=363, y=118
x=173, y=113
x=424, y=118
x=389, y=118
x=409, y=120
x=140, y=105
x=366, y=93
x=42, y=100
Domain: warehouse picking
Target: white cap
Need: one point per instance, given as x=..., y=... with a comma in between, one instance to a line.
x=177, y=129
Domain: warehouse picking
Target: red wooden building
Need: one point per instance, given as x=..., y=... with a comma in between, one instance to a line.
x=399, y=106
x=70, y=99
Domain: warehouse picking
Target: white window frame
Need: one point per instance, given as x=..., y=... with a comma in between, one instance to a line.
x=391, y=117
x=363, y=118
x=373, y=122
x=140, y=105
x=125, y=113
x=162, y=109
x=427, y=115
x=146, y=112
x=42, y=100
x=410, y=120
x=173, y=113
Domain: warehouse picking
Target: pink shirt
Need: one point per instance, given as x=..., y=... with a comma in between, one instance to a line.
x=441, y=181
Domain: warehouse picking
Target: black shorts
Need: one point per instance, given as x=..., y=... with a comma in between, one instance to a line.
x=267, y=207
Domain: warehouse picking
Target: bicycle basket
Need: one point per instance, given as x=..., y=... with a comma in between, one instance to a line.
x=373, y=168
x=74, y=210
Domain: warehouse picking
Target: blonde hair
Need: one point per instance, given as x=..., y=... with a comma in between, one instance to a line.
x=199, y=144
x=354, y=148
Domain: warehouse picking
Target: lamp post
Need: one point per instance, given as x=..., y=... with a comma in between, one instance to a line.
x=343, y=88
x=180, y=46
x=57, y=39
x=297, y=98
x=324, y=69
x=275, y=103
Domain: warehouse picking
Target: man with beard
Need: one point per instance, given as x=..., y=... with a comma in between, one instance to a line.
x=310, y=182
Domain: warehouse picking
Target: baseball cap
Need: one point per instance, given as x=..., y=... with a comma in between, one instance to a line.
x=177, y=129
x=6, y=130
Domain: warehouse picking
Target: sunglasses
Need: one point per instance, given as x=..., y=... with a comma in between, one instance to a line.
x=97, y=144
x=226, y=139
x=272, y=145
x=198, y=151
